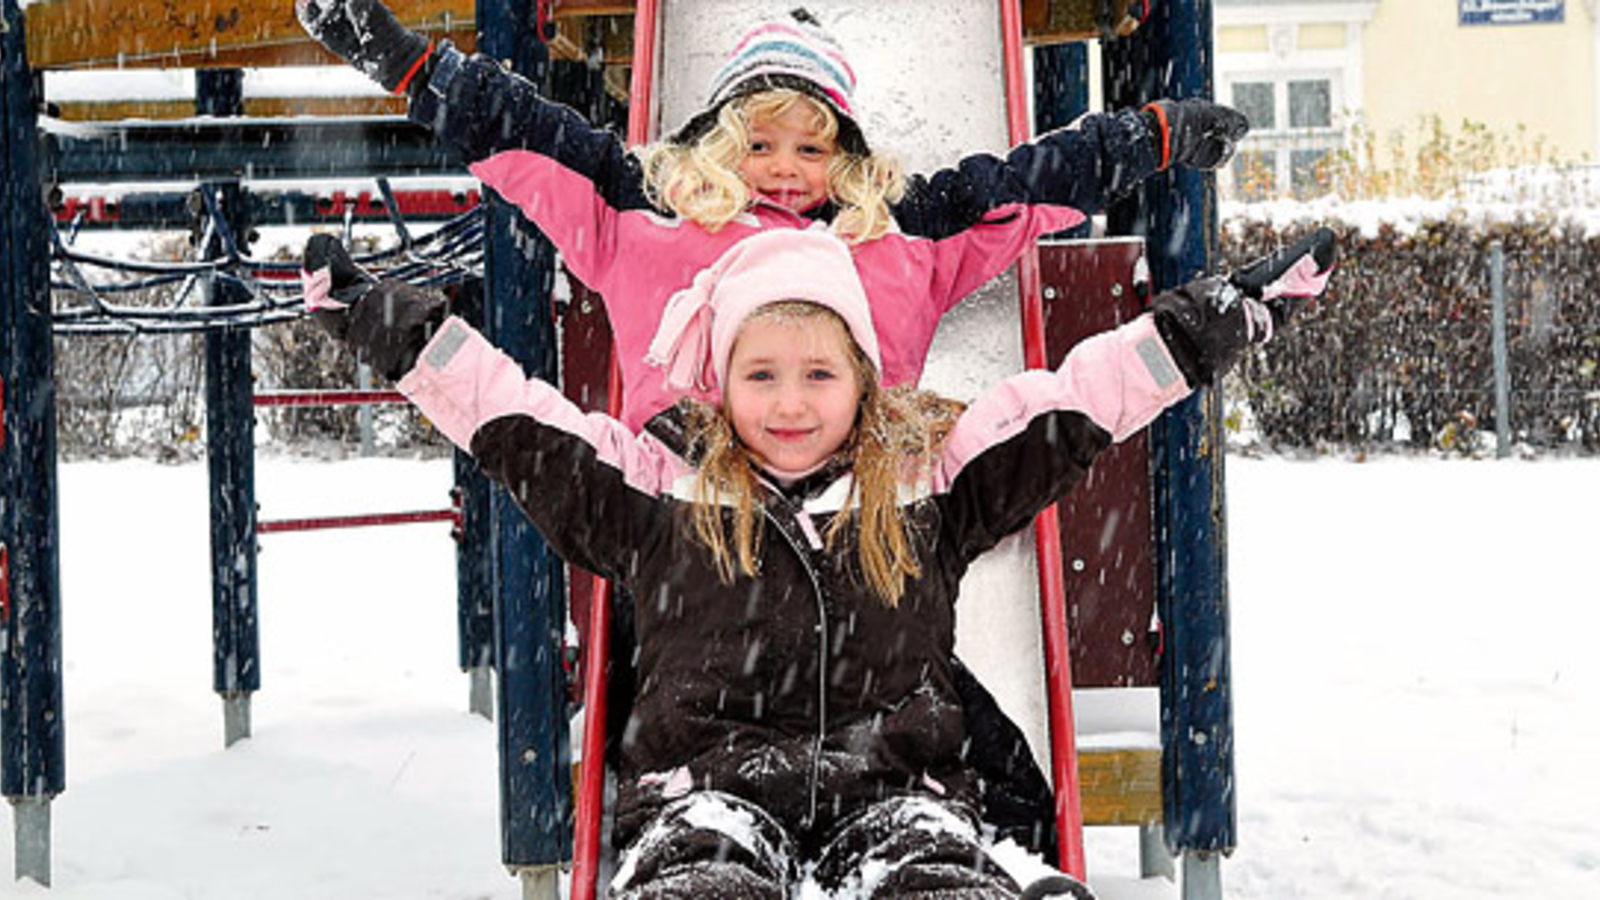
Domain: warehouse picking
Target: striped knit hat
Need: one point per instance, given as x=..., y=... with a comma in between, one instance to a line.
x=796, y=54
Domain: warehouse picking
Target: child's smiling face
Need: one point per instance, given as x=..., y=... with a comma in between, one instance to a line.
x=792, y=390
x=787, y=162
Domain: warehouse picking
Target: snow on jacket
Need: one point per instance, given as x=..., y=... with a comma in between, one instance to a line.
x=954, y=230
x=799, y=690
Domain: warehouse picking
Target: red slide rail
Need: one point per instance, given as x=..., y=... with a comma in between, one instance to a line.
x=1047, y=527
x=597, y=639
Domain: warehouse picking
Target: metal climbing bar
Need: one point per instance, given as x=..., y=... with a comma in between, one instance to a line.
x=327, y=398
x=448, y=255
x=216, y=149
x=358, y=520
x=169, y=209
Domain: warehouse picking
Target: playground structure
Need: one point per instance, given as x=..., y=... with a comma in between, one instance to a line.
x=511, y=590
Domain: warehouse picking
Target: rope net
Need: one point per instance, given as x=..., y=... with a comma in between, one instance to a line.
x=450, y=254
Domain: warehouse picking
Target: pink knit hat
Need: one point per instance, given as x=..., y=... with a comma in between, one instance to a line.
x=701, y=321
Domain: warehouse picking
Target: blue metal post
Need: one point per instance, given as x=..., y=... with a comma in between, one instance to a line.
x=230, y=447
x=1170, y=56
x=530, y=590
x=33, y=769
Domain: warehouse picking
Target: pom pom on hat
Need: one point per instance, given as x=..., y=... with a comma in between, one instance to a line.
x=701, y=321
x=797, y=54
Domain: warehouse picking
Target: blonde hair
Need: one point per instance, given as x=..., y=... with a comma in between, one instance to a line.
x=896, y=435
x=701, y=181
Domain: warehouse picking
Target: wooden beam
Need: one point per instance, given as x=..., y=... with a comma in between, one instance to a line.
x=100, y=34
x=109, y=34
x=1069, y=21
x=80, y=34
x=1120, y=787
x=263, y=107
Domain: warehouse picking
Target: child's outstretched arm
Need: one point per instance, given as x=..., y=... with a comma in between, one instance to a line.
x=984, y=213
x=1080, y=167
x=1029, y=441
x=470, y=103
x=585, y=481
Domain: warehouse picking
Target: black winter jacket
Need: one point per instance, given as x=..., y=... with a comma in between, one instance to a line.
x=799, y=689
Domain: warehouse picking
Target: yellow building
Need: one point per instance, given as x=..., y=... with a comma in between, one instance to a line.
x=1313, y=73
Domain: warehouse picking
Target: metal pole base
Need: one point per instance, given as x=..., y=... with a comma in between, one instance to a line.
x=235, y=718
x=480, y=692
x=1154, y=860
x=1202, y=875
x=543, y=883
x=31, y=818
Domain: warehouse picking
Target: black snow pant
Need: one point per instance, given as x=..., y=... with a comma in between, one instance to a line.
x=708, y=844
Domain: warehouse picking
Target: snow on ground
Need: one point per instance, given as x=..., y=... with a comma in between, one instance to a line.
x=1417, y=692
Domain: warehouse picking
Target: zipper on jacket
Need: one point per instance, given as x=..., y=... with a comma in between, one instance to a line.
x=822, y=663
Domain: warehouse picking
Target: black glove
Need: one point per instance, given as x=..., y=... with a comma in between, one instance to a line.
x=368, y=35
x=1194, y=132
x=1209, y=323
x=386, y=323
x=332, y=283
x=1288, y=279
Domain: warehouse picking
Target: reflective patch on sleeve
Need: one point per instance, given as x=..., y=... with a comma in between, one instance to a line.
x=446, y=345
x=1156, y=361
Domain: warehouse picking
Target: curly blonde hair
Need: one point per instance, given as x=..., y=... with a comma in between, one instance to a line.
x=897, y=433
x=701, y=181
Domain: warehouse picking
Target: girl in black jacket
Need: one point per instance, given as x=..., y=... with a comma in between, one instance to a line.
x=796, y=557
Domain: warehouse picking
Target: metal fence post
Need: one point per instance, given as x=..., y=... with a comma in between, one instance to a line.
x=230, y=444
x=1502, y=374
x=32, y=733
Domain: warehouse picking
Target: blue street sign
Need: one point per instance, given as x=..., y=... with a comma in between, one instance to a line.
x=1511, y=12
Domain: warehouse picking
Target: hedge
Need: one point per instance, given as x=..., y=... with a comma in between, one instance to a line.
x=1397, y=354
x=1399, y=351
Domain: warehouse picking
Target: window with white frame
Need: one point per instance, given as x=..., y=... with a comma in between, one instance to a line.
x=1292, y=128
x=1294, y=67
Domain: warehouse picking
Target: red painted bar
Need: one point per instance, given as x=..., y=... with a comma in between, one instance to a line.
x=322, y=523
x=1046, y=528
x=591, y=775
x=327, y=398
